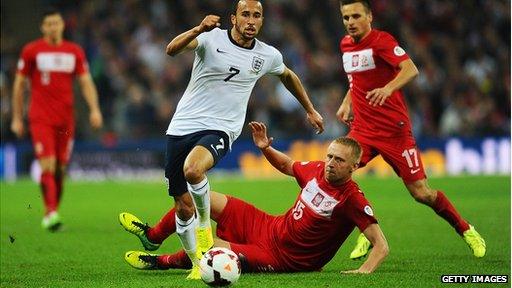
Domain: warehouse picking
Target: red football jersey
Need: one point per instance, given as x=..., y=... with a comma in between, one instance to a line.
x=311, y=232
x=51, y=70
x=372, y=63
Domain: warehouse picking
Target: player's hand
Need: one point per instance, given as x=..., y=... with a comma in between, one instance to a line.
x=209, y=23
x=259, y=135
x=96, y=119
x=18, y=128
x=344, y=114
x=316, y=120
x=378, y=96
x=354, y=272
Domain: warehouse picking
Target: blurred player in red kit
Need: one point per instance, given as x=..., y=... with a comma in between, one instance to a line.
x=374, y=108
x=51, y=63
x=329, y=206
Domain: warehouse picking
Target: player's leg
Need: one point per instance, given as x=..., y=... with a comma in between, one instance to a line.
x=180, y=260
x=51, y=220
x=198, y=161
x=403, y=155
x=60, y=174
x=186, y=225
x=405, y=159
x=152, y=237
x=253, y=258
x=438, y=201
x=146, y=261
x=44, y=142
x=363, y=245
x=209, y=149
x=64, y=148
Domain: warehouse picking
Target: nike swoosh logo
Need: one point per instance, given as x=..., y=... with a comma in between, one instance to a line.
x=414, y=171
x=220, y=51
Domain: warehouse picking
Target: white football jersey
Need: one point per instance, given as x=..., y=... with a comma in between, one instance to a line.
x=221, y=83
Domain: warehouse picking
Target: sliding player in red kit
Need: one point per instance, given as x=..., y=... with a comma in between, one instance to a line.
x=328, y=208
x=374, y=108
x=51, y=63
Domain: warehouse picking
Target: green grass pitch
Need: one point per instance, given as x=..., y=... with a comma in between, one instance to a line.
x=89, y=251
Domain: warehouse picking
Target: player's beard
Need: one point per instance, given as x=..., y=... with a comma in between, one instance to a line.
x=244, y=35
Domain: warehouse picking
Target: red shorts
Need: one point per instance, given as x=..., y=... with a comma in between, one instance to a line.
x=53, y=141
x=248, y=229
x=400, y=152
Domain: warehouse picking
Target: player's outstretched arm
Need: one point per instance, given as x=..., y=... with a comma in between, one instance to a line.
x=407, y=72
x=344, y=113
x=377, y=254
x=91, y=97
x=292, y=82
x=187, y=40
x=17, y=126
x=278, y=159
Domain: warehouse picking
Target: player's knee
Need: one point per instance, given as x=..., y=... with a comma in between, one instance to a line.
x=48, y=164
x=193, y=174
x=423, y=196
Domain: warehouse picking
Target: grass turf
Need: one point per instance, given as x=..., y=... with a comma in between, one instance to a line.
x=89, y=251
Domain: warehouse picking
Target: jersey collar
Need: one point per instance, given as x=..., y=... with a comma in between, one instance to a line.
x=236, y=44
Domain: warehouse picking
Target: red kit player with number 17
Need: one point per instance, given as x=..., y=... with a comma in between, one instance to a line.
x=377, y=68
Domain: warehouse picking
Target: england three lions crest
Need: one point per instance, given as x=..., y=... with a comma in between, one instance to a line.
x=257, y=64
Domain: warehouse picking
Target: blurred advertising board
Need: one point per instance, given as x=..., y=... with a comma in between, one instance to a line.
x=144, y=160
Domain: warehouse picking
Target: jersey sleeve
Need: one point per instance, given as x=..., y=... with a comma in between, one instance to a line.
x=26, y=62
x=359, y=211
x=204, y=38
x=389, y=50
x=277, y=67
x=303, y=171
x=81, y=62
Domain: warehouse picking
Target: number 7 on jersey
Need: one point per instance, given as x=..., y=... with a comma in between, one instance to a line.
x=233, y=71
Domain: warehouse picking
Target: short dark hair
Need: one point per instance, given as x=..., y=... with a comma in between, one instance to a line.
x=234, y=6
x=50, y=11
x=366, y=3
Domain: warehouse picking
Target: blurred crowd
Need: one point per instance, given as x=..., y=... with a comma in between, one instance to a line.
x=462, y=49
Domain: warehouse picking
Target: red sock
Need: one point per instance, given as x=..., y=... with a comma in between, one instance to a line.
x=49, y=190
x=444, y=208
x=163, y=229
x=178, y=260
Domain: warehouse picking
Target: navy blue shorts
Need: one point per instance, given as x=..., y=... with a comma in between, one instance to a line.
x=178, y=148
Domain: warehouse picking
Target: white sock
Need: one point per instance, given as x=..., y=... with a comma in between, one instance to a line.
x=201, y=194
x=187, y=234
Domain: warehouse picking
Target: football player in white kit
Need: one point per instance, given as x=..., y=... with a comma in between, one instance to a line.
x=210, y=116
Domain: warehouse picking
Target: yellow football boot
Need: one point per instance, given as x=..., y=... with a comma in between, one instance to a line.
x=474, y=241
x=141, y=260
x=362, y=248
x=133, y=225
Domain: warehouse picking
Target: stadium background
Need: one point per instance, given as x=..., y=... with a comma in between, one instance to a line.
x=462, y=50
x=460, y=107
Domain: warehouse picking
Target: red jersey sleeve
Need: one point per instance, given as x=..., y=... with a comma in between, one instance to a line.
x=304, y=171
x=81, y=62
x=358, y=210
x=26, y=62
x=389, y=50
